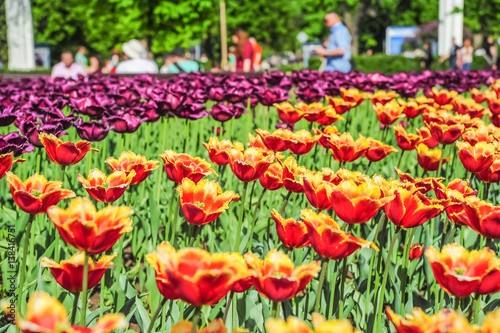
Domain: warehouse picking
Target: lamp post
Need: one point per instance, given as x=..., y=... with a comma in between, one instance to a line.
x=223, y=35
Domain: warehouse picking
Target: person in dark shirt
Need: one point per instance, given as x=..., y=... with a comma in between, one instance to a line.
x=244, y=51
x=490, y=53
x=428, y=59
x=453, y=55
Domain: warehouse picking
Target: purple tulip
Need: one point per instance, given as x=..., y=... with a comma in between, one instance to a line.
x=224, y=111
x=15, y=143
x=8, y=115
x=192, y=111
x=32, y=130
x=281, y=125
x=125, y=123
x=92, y=130
x=269, y=97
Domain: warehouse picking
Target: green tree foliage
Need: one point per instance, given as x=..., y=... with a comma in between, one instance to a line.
x=4, y=55
x=482, y=16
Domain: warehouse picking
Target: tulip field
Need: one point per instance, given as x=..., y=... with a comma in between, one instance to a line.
x=310, y=202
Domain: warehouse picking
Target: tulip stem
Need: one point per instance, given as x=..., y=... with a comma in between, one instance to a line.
x=22, y=276
x=275, y=309
x=240, y=219
x=381, y=298
x=63, y=171
x=438, y=171
x=368, y=167
x=84, y=289
x=252, y=222
x=457, y=303
x=462, y=235
x=173, y=239
x=406, y=260
x=228, y=305
x=196, y=319
x=157, y=313
x=319, y=292
x=75, y=307
x=342, y=287
x=475, y=308
x=400, y=158
x=283, y=206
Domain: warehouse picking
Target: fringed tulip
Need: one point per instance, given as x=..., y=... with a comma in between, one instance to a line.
x=180, y=166
x=106, y=189
x=292, y=233
x=128, y=162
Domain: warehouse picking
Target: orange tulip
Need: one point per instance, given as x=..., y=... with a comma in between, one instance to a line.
x=478, y=135
x=387, y=114
x=293, y=175
x=480, y=216
x=215, y=326
x=357, y=203
x=65, y=153
x=456, y=192
x=426, y=137
x=6, y=162
x=378, y=150
x=69, y=273
x=217, y=150
x=476, y=95
x=445, y=134
x=344, y=148
x=419, y=322
x=353, y=95
x=491, y=174
x=410, y=208
x=468, y=106
x=341, y=105
x=180, y=166
x=36, y=194
x=287, y=113
x=328, y=240
x=129, y=161
x=256, y=142
x=382, y=97
x=279, y=140
x=493, y=102
x=462, y=273
x=476, y=158
x=246, y=281
x=411, y=108
x=429, y=159
x=312, y=112
x=441, y=97
x=491, y=323
x=194, y=275
x=318, y=191
x=277, y=278
x=302, y=142
x=249, y=165
x=45, y=314
x=293, y=234
x=406, y=141
x=203, y=202
x=106, y=189
x=272, y=179
x=89, y=230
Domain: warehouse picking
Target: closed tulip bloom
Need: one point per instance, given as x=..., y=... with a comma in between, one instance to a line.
x=287, y=113
x=476, y=158
x=279, y=140
x=441, y=97
x=106, y=189
x=388, y=114
x=318, y=191
x=6, y=162
x=491, y=174
x=353, y=95
x=128, y=162
x=292, y=233
x=405, y=140
x=203, y=202
x=328, y=240
x=445, y=134
x=419, y=322
x=217, y=150
x=378, y=150
x=340, y=105
x=410, y=208
x=480, y=216
x=194, y=275
x=416, y=251
x=456, y=192
x=35, y=195
x=184, y=326
x=45, y=314
x=272, y=179
x=250, y=165
x=429, y=159
x=426, y=137
x=357, y=203
x=180, y=166
x=382, y=97
x=312, y=112
x=462, y=273
x=344, y=148
x=65, y=153
x=302, y=142
x=276, y=276
x=89, y=230
x=69, y=273
x=293, y=175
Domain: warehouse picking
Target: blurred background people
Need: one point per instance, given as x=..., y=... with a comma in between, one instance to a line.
x=257, y=54
x=112, y=62
x=490, y=53
x=428, y=58
x=67, y=68
x=243, y=51
x=453, y=55
x=232, y=59
x=338, y=48
x=96, y=65
x=178, y=63
x=467, y=52
x=133, y=53
x=80, y=57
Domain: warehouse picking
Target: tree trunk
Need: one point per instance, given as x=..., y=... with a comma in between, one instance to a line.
x=352, y=21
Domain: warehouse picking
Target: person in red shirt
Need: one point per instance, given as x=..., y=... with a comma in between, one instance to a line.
x=257, y=54
x=244, y=51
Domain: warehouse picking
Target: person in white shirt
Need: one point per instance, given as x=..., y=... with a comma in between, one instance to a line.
x=467, y=55
x=67, y=68
x=135, y=63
